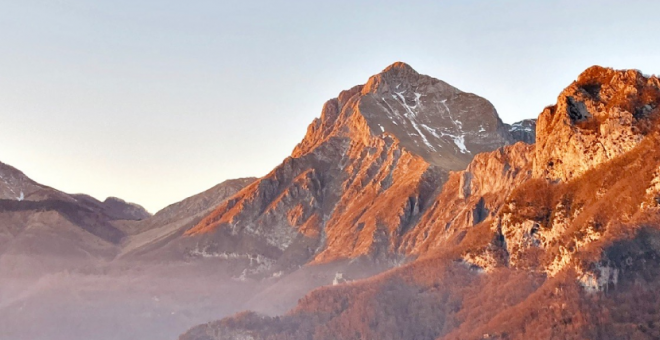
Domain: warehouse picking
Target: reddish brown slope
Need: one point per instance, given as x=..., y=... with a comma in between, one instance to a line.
x=569, y=251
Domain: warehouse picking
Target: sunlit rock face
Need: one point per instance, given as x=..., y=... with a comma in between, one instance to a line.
x=597, y=145
x=602, y=115
x=471, y=197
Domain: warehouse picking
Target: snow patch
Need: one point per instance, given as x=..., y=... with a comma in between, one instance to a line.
x=425, y=133
x=412, y=115
x=431, y=130
x=460, y=142
x=457, y=123
x=519, y=127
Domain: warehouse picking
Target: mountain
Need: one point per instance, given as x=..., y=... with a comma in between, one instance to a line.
x=45, y=230
x=359, y=180
x=524, y=130
x=71, y=257
x=350, y=202
x=558, y=240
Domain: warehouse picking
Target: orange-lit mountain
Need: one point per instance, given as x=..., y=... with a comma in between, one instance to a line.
x=359, y=181
x=358, y=196
x=559, y=240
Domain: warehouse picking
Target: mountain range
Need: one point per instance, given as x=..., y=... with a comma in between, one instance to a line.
x=409, y=210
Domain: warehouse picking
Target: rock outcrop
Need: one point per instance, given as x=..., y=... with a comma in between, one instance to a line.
x=602, y=115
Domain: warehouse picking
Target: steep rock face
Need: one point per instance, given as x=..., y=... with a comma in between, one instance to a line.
x=597, y=118
x=432, y=119
x=361, y=177
x=565, y=219
x=570, y=216
x=471, y=197
x=597, y=145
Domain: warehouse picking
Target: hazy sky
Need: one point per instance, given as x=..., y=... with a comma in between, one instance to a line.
x=154, y=101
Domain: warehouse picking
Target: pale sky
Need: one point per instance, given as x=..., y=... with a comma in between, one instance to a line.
x=154, y=101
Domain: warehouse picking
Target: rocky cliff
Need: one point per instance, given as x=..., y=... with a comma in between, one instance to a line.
x=602, y=115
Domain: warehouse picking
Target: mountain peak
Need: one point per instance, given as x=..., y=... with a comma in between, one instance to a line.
x=15, y=185
x=609, y=111
x=361, y=176
x=599, y=75
x=399, y=66
x=396, y=77
x=429, y=117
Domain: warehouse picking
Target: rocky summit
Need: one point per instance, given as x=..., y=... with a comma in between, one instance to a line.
x=361, y=178
x=602, y=115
